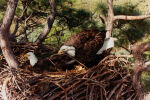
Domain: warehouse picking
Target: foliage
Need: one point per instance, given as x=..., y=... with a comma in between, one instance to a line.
x=3, y=5
x=127, y=32
x=145, y=81
x=73, y=18
x=101, y=9
x=68, y=20
x=131, y=30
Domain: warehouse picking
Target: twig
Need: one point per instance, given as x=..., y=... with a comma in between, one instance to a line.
x=4, y=88
x=54, y=65
x=71, y=58
x=76, y=60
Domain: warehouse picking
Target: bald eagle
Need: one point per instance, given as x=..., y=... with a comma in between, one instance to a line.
x=42, y=65
x=87, y=46
x=53, y=63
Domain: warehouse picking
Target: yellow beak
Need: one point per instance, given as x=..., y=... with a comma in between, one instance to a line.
x=26, y=55
x=60, y=52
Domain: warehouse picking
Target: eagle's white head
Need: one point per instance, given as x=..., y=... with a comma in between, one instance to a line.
x=33, y=59
x=67, y=49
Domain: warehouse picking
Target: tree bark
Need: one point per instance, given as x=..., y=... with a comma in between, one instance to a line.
x=49, y=22
x=139, y=67
x=125, y=17
x=110, y=19
x=4, y=34
x=138, y=50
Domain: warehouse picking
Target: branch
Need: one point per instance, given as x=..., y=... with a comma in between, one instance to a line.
x=27, y=19
x=109, y=19
x=4, y=88
x=147, y=64
x=49, y=22
x=17, y=22
x=125, y=17
x=102, y=18
x=140, y=65
x=142, y=48
x=128, y=50
x=4, y=30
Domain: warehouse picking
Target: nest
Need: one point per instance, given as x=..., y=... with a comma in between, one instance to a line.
x=109, y=80
x=20, y=49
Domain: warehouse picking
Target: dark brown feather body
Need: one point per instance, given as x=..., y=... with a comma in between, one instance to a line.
x=53, y=63
x=44, y=65
x=87, y=43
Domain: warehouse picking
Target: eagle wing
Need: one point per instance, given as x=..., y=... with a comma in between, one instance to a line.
x=92, y=46
x=87, y=43
x=76, y=41
x=86, y=38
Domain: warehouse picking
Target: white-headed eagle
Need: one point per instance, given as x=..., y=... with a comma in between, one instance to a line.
x=87, y=46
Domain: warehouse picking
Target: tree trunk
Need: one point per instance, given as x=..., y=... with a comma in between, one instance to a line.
x=139, y=66
x=109, y=19
x=138, y=50
x=4, y=34
x=49, y=24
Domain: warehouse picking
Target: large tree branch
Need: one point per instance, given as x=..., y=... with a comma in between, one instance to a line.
x=125, y=17
x=109, y=18
x=49, y=22
x=140, y=65
x=4, y=30
x=18, y=20
x=109, y=21
x=138, y=51
x=147, y=64
x=102, y=18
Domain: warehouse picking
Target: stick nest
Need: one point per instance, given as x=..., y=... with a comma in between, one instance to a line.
x=109, y=80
